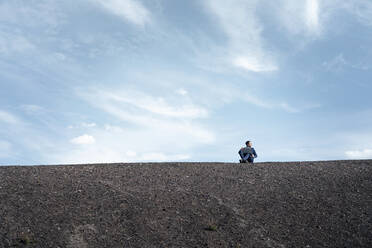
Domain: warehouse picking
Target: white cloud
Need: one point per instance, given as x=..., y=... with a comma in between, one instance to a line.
x=339, y=62
x=250, y=98
x=83, y=125
x=112, y=128
x=246, y=48
x=139, y=133
x=240, y=20
x=92, y=124
x=101, y=154
x=253, y=64
x=8, y=117
x=182, y=92
x=361, y=9
x=155, y=105
x=130, y=10
x=336, y=63
x=174, y=127
x=60, y=56
x=83, y=140
x=131, y=145
x=131, y=153
x=359, y=154
x=288, y=154
x=32, y=108
x=94, y=153
x=158, y=156
x=45, y=13
x=289, y=108
x=216, y=93
x=312, y=15
x=267, y=104
x=302, y=17
x=14, y=43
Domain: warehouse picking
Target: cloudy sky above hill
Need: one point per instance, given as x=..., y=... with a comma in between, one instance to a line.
x=88, y=81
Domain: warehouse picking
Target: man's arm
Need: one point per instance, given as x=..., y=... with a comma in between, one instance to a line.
x=254, y=153
x=246, y=156
x=240, y=153
x=240, y=150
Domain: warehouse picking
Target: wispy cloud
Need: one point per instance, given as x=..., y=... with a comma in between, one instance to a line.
x=14, y=43
x=169, y=107
x=289, y=108
x=181, y=92
x=84, y=139
x=361, y=9
x=8, y=117
x=156, y=105
x=246, y=48
x=83, y=125
x=335, y=64
x=110, y=143
x=130, y=10
x=151, y=112
x=163, y=157
x=312, y=15
x=359, y=154
x=301, y=17
x=32, y=108
x=147, y=128
x=339, y=63
x=107, y=154
x=276, y=105
x=45, y=13
x=253, y=64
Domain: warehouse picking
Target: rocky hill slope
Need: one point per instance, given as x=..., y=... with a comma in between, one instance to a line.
x=294, y=204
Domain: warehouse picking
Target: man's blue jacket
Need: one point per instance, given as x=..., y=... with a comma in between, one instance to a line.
x=247, y=153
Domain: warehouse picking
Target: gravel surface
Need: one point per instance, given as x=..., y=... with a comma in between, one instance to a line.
x=294, y=204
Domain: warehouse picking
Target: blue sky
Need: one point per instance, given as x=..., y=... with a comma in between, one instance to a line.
x=89, y=81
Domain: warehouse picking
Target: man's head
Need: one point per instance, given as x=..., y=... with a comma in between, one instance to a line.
x=248, y=143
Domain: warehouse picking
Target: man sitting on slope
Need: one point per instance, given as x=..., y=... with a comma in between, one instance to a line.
x=248, y=154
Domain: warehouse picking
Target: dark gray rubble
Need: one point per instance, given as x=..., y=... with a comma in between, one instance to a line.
x=294, y=204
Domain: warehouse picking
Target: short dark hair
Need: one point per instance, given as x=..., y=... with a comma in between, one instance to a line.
x=247, y=142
